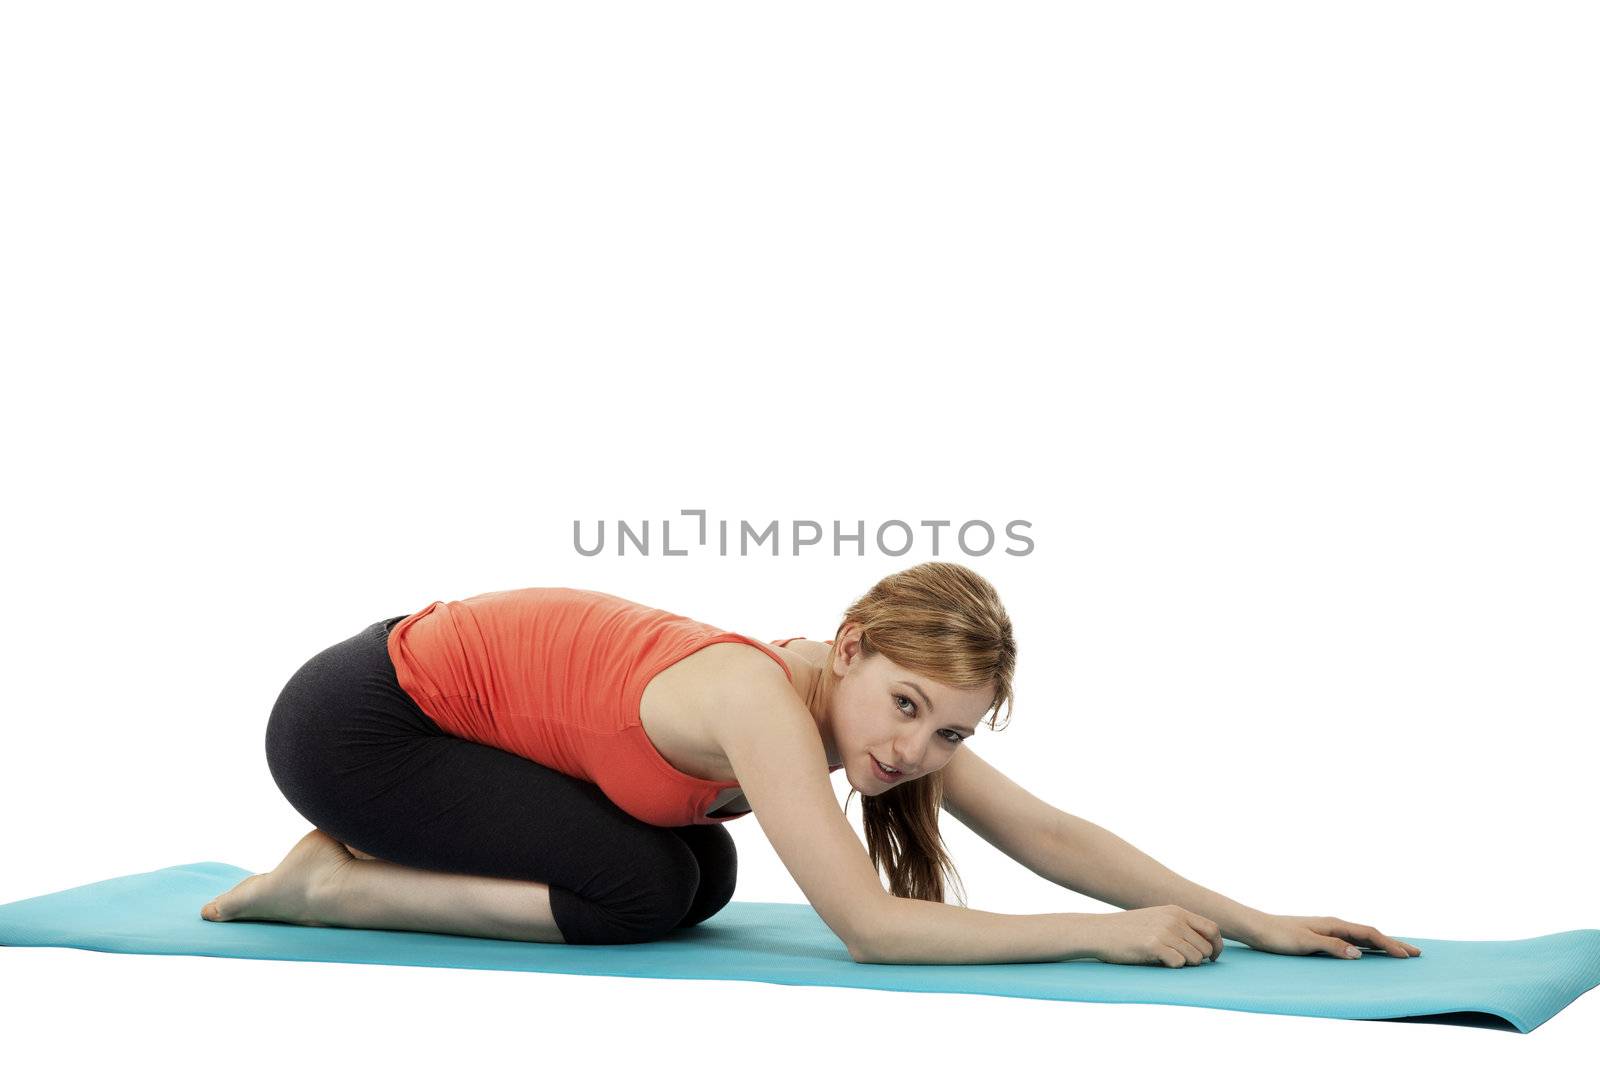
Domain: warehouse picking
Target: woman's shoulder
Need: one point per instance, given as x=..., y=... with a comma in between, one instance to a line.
x=732, y=677
x=814, y=651
x=737, y=663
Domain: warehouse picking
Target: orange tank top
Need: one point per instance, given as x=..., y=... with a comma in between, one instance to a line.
x=555, y=675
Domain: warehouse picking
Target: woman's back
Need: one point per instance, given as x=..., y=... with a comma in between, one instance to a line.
x=556, y=675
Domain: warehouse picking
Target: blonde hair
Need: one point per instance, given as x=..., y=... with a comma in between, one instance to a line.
x=945, y=622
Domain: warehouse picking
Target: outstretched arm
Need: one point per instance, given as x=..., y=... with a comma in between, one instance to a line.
x=1078, y=855
x=1097, y=863
x=1075, y=853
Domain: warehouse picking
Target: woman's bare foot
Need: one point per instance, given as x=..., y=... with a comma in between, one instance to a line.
x=289, y=892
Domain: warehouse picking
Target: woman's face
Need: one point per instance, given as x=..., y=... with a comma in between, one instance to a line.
x=908, y=721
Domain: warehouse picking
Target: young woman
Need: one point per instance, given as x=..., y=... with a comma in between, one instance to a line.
x=555, y=764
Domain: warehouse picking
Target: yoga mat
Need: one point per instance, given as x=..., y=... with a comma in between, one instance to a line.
x=1478, y=982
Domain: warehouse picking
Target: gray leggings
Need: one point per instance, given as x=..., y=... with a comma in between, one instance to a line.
x=356, y=756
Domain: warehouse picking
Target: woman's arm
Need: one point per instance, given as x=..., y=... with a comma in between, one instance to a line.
x=1074, y=853
x=1097, y=863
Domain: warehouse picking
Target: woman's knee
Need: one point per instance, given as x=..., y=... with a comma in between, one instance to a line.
x=718, y=859
x=660, y=890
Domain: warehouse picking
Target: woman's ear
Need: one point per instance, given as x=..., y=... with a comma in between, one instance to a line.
x=848, y=646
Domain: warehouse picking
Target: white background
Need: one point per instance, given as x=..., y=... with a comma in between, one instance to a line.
x=1276, y=322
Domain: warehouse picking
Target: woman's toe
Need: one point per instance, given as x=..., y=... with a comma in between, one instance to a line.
x=235, y=902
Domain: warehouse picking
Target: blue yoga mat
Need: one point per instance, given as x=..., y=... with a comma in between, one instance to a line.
x=1522, y=982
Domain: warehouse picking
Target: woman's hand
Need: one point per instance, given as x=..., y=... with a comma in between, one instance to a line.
x=1302, y=935
x=1166, y=935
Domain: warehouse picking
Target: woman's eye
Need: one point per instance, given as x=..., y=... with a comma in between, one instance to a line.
x=950, y=736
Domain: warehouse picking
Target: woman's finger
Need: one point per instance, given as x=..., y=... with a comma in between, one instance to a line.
x=1371, y=935
x=1200, y=942
x=1336, y=947
x=1210, y=933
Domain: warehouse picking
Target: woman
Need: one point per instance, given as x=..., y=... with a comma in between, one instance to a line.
x=555, y=764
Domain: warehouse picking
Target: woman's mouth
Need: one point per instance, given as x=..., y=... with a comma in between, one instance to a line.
x=882, y=772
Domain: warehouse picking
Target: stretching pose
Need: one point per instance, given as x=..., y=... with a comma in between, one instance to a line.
x=555, y=764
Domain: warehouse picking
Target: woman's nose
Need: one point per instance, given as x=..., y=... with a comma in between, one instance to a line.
x=909, y=757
